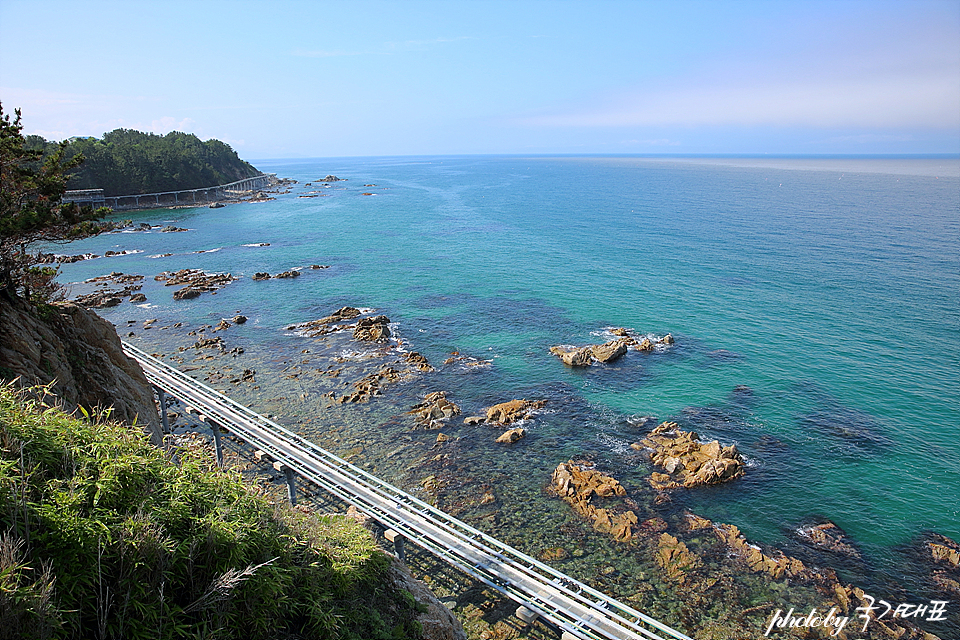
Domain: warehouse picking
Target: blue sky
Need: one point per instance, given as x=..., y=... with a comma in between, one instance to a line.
x=286, y=79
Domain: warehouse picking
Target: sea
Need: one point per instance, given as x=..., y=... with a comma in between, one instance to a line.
x=814, y=304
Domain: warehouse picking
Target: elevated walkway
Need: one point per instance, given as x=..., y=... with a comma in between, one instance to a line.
x=576, y=610
x=206, y=195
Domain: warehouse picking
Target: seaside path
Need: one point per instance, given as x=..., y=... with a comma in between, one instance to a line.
x=573, y=608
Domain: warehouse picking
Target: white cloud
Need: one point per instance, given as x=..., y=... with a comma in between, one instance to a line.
x=927, y=100
x=166, y=124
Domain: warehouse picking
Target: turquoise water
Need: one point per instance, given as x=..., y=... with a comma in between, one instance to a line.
x=814, y=304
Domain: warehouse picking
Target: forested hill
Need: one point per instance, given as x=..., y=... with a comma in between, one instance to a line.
x=127, y=162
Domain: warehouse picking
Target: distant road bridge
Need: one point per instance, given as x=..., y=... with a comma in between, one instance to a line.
x=571, y=607
x=207, y=195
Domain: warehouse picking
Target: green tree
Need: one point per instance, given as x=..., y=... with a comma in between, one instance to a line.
x=32, y=184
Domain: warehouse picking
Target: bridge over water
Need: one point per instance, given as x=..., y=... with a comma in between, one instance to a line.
x=571, y=607
x=206, y=195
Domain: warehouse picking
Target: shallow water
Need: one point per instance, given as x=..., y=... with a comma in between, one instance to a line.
x=814, y=304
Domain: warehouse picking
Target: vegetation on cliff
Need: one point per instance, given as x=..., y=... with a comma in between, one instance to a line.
x=128, y=162
x=103, y=535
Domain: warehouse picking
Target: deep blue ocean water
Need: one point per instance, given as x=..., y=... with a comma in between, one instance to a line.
x=815, y=305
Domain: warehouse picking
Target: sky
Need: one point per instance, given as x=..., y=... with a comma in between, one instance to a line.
x=291, y=79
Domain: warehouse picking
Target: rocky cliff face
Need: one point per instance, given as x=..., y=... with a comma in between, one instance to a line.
x=79, y=350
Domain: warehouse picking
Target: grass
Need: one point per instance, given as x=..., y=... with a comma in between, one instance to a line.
x=104, y=536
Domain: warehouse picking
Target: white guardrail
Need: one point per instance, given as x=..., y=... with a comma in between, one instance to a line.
x=577, y=610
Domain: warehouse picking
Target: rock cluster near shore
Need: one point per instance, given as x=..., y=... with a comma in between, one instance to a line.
x=578, y=485
x=112, y=297
x=197, y=282
x=687, y=461
x=434, y=409
x=513, y=411
x=609, y=351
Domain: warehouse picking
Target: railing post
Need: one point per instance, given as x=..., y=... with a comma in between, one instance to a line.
x=162, y=398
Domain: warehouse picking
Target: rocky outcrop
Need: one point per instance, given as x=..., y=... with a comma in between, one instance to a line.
x=418, y=361
x=369, y=385
x=512, y=411
x=75, y=347
x=197, y=282
x=328, y=324
x=609, y=351
x=511, y=436
x=579, y=486
x=372, y=329
x=572, y=356
x=829, y=537
x=675, y=558
x=438, y=621
x=944, y=550
x=434, y=408
x=687, y=461
x=776, y=564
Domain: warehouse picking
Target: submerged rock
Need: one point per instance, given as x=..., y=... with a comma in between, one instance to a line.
x=830, y=537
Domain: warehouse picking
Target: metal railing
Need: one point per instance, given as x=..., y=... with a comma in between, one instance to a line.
x=574, y=608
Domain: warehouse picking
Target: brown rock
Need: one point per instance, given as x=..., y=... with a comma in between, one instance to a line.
x=437, y=621
x=609, y=351
x=186, y=293
x=261, y=275
x=689, y=462
x=512, y=411
x=511, y=436
x=372, y=329
x=944, y=550
x=82, y=352
x=434, y=408
x=417, y=360
x=675, y=558
x=573, y=357
x=138, y=297
x=288, y=274
x=830, y=537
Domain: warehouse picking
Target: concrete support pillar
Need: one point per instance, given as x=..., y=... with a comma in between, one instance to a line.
x=291, y=477
x=397, y=539
x=162, y=397
x=215, y=429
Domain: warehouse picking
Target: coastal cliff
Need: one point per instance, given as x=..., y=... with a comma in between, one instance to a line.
x=80, y=352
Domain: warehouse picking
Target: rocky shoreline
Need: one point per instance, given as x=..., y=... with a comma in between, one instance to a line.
x=693, y=554
x=354, y=357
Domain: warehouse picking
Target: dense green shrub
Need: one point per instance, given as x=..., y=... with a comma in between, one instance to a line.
x=104, y=536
